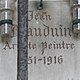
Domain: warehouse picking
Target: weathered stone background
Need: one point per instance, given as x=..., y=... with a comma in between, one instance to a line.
x=68, y=70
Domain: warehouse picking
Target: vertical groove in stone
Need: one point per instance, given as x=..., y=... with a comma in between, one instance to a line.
x=22, y=66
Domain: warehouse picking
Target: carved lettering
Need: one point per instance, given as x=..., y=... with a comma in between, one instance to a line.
x=55, y=45
x=9, y=46
x=38, y=16
x=50, y=31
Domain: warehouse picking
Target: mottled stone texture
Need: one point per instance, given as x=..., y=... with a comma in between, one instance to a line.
x=22, y=69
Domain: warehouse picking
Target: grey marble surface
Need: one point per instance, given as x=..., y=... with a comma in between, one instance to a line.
x=22, y=40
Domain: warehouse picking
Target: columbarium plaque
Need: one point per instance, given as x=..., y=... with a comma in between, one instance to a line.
x=53, y=49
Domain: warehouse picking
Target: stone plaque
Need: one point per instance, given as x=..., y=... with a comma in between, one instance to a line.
x=53, y=49
x=8, y=54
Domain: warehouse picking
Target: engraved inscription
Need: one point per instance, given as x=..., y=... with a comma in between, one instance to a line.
x=38, y=16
